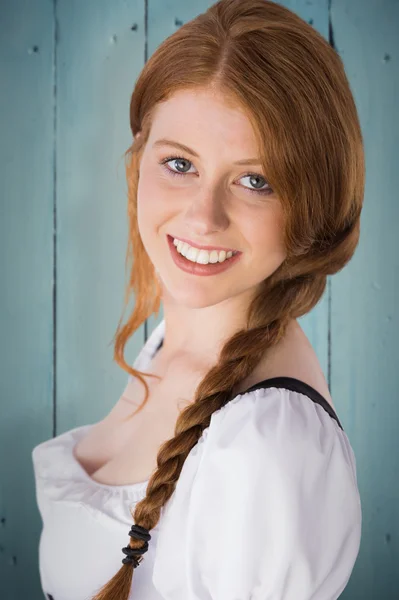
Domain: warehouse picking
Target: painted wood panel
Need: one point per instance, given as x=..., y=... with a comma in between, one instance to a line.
x=69, y=68
x=100, y=53
x=365, y=322
x=26, y=268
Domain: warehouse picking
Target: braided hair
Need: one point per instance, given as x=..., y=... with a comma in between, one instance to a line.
x=292, y=85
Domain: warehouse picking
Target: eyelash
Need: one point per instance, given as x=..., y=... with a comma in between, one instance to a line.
x=163, y=162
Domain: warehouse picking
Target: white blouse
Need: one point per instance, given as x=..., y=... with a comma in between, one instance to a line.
x=266, y=507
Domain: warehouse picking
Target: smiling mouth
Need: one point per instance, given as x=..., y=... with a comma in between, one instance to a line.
x=198, y=268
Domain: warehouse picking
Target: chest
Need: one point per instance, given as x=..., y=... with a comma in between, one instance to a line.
x=117, y=451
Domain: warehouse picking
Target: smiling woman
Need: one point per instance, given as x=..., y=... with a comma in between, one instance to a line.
x=245, y=189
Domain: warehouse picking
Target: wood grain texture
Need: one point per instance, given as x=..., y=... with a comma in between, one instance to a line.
x=100, y=54
x=26, y=232
x=365, y=322
x=68, y=69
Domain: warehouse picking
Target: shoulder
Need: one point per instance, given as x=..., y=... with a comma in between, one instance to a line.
x=284, y=424
x=278, y=443
x=270, y=505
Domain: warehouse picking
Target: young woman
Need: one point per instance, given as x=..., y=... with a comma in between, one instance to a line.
x=246, y=183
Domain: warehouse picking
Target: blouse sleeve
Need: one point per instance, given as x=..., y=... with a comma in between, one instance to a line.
x=274, y=510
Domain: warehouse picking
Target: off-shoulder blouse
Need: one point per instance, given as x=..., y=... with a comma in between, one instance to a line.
x=266, y=507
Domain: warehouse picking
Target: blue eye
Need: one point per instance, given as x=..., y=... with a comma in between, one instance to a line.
x=264, y=191
x=175, y=158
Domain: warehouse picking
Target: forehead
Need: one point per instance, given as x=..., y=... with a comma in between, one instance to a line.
x=203, y=116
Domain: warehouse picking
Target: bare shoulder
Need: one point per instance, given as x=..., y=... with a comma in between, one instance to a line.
x=295, y=357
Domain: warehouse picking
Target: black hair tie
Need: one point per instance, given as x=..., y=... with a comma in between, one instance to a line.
x=140, y=533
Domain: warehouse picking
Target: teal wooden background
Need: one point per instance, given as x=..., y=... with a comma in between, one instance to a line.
x=67, y=69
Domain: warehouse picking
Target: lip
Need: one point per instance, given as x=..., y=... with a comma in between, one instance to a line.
x=197, y=268
x=194, y=245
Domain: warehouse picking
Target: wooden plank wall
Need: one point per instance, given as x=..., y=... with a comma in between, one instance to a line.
x=67, y=69
x=364, y=318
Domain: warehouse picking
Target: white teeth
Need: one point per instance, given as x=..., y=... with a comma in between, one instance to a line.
x=202, y=257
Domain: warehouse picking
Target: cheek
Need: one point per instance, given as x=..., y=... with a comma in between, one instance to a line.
x=147, y=189
x=149, y=198
x=154, y=206
x=153, y=189
x=145, y=199
x=265, y=235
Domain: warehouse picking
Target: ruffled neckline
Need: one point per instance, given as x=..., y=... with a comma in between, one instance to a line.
x=55, y=460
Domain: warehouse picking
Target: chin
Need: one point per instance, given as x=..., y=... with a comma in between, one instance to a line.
x=192, y=298
x=196, y=294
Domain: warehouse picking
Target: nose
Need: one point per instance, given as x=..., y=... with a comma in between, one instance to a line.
x=206, y=212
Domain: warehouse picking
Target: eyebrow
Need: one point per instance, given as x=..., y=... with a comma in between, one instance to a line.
x=166, y=142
